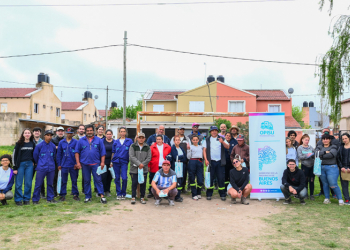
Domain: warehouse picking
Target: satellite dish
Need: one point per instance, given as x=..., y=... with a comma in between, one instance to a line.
x=290, y=91
x=96, y=97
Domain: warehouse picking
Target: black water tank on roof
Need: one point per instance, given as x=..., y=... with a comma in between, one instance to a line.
x=210, y=79
x=305, y=104
x=114, y=105
x=220, y=78
x=87, y=94
x=47, y=78
x=41, y=77
x=311, y=104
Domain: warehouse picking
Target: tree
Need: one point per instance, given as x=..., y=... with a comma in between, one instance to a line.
x=131, y=111
x=218, y=122
x=298, y=114
x=244, y=130
x=334, y=68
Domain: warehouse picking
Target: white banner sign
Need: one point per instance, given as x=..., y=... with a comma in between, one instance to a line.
x=267, y=154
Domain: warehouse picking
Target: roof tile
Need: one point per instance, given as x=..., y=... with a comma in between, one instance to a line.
x=165, y=95
x=71, y=105
x=269, y=94
x=291, y=122
x=16, y=92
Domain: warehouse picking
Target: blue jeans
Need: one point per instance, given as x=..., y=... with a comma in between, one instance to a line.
x=217, y=171
x=302, y=194
x=87, y=171
x=25, y=171
x=121, y=170
x=329, y=177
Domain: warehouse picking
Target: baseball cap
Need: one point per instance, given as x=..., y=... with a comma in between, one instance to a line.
x=141, y=134
x=166, y=162
x=240, y=137
x=195, y=124
x=213, y=128
x=47, y=132
x=70, y=131
x=181, y=127
x=60, y=128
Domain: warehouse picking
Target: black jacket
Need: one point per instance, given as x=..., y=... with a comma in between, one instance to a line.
x=340, y=158
x=57, y=140
x=17, y=155
x=295, y=179
x=333, y=142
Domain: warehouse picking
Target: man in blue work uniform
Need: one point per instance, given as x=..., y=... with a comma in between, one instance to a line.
x=90, y=153
x=44, y=156
x=161, y=131
x=67, y=164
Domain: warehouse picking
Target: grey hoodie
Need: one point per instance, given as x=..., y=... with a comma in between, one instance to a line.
x=328, y=158
x=302, y=155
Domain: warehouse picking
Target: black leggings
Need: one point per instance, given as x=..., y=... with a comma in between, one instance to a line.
x=309, y=178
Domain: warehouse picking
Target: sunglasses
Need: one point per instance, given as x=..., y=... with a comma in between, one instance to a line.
x=234, y=162
x=195, y=126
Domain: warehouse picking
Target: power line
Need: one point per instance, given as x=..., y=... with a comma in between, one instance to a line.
x=63, y=51
x=225, y=57
x=138, y=4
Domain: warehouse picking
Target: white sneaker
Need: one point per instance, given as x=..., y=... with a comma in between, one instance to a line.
x=119, y=197
x=326, y=201
x=199, y=196
x=157, y=202
x=123, y=197
x=171, y=203
x=195, y=198
x=341, y=203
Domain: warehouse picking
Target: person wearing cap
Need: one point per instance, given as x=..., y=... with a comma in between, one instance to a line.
x=234, y=130
x=44, y=156
x=140, y=155
x=37, y=140
x=90, y=153
x=67, y=164
x=195, y=128
x=214, y=156
x=241, y=150
x=56, y=140
x=161, y=131
x=164, y=180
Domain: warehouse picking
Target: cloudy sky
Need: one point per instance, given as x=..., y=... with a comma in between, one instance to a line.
x=293, y=31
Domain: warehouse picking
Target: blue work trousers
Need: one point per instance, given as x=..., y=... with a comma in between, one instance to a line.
x=87, y=171
x=121, y=170
x=74, y=173
x=217, y=171
x=25, y=171
x=195, y=169
x=39, y=181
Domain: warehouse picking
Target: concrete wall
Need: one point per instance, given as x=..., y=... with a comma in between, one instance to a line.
x=306, y=118
x=73, y=115
x=10, y=129
x=345, y=116
x=168, y=106
x=18, y=105
x=90, y=111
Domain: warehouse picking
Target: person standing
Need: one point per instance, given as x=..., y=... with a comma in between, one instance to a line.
x=7, y=178
x=101, y=132
x=67, y=164
x=241, y=150
x=44, y=156
x=195, y=167
x=306, y=155
x=214, y=156
x=161, y=132
x=329, y=168
x=343, y=159
x=37, y=140
x=56, y=140
x=140, y=155
x=24, y=167
x=291, y=151
x=80, y=133
x=195, y=131
x=159, y=151
x=120, y=161
x=90, y=153
x=293, y=135
x=223, y=129
x=108, y=141
x=228, y=165
x=234, y=130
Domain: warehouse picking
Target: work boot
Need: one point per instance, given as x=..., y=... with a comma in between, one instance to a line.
x=233, y=200
x=4, y=202
x=287, y=201
x=302, y=202
x=244, y=201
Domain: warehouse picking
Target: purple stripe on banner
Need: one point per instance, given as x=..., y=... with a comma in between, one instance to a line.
x=261, y=114
x=266, y=191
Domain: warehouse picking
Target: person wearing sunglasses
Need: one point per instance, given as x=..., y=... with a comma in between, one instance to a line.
x=195, y=128
x=239, y=186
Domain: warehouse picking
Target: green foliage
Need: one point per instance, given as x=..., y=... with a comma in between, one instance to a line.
x=306, y=126
x=218, y=122
x=244, y=129
x=297, y=114
x=334, y=69
x=131, y=111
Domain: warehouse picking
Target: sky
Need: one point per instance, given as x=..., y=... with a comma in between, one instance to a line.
x=292, y=31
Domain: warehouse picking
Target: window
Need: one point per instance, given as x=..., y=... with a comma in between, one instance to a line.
x=44, y=106
x=84, y=117
x=236, y=106
x=58, y=111
x=158, y=108
x=197, y=106
x=63, y=116
x=3, y=107
x=274, y=107
x=36, y=108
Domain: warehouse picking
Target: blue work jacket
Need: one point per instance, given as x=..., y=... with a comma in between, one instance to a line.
x=44, y=156
x=121, y=152
x=90, y=153
x=66, y=153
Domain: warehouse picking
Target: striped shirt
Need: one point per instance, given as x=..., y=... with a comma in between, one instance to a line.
x=164, y=181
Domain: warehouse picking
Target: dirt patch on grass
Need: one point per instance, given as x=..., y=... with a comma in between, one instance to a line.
x=189, y=225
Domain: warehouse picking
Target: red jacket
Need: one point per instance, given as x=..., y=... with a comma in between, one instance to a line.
x=153, y=165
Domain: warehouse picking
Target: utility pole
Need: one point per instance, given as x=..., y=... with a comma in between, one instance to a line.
x=106, y=119
x=124, y=87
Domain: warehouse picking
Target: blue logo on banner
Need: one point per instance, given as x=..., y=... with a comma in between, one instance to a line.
x=267, y=129
x=266, y=156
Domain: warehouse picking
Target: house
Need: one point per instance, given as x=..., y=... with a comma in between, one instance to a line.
x=345, y=116
x=313, y=118
x=84, y=112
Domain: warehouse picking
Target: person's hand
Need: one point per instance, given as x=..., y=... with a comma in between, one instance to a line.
x=59, y=167
x=166, y=191
x=348, y=169
x=188, y=146
x=220, y=139
x=141, y=166
x=2, y=196
x=78, y=165
x=102, y=165
x=207, y=163
x=291, y=189
x=327, y=152
x=308, y=155
x=111, y=165
x=343, y=170
x=158, y=191
x=240, y=194
x=15, y=171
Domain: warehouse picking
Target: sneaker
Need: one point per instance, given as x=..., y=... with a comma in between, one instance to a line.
x=287, y=201
x=326, y=201
x=35, y=202
x=341, y=202
x=157, y=202
x=87, y=200
x=103, y=200
x=142, y=200
x=42, y=196
x=26, y=202
x=150, y=195
x=123, y=197
x=208, y=198
x=312, y=198
x=244, y=201
x=108, y=194
x=195, y=198
x=133, y=201
x=4, y=202
x=223, y=198
x=347, y=202
x=62, y=198
x=302, y=202
x=199, y=196
x=52, y=201
x=179, y=199
x=19, y=203
x=171, y=203
x=119, y=197
x=233, y=200
x=76, y=198
x=319, y=194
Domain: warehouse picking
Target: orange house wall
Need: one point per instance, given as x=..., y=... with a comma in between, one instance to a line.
x=235, y=95
x=286, y=106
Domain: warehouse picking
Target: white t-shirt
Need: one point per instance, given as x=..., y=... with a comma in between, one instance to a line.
x=4, y=177
x=161, y=158
x=121, y=141
x=179, y=151
x=215, y=148
x=195, y=152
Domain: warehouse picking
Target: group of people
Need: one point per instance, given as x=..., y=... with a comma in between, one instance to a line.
x=335, y=163
x=55, y=158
